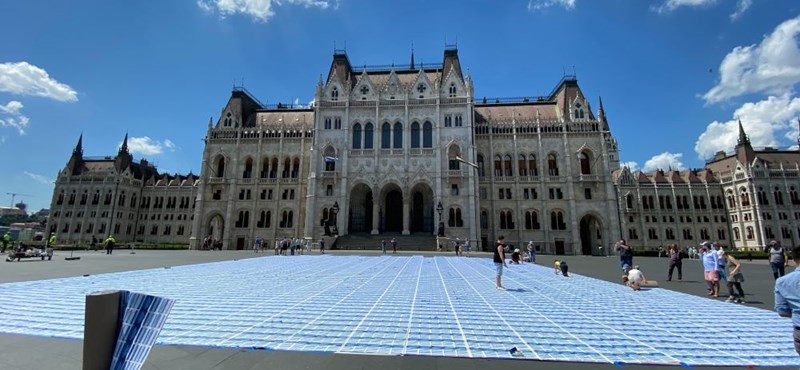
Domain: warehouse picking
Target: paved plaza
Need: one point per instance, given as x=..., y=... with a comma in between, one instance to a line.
x=405, y=305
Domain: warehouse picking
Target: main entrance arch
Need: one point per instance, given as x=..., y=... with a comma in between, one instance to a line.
x=421, y=208
x=391, y=214
x=591, y=235
x=215, y=228
x=361, y=205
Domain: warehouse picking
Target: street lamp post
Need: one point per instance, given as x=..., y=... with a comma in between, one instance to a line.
x=335, y=209
x=440, y=231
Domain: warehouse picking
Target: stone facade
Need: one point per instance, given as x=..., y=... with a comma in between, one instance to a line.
x=408, y=149
x=116, y=195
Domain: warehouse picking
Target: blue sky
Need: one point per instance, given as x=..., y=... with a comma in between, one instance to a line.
x=674, y=75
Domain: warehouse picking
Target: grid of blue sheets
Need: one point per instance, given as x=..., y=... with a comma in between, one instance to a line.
x=440, y=306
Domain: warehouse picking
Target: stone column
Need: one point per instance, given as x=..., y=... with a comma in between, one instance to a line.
x=406, y=208
x=375, y=214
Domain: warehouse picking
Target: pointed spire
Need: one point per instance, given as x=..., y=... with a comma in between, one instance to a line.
x=601, y=112
x=124, y=147
x=79, y=147
x=412, y=55
x=210, y=124
x=742, y=137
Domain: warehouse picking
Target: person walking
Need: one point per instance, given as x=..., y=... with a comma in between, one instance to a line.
x=787, y=298
x=5, y=240
x=93, y=244
x=675, y=261
x=710, y=262
x=322, y=246
x=383, y=246
x=735, y=280
x=110, y=241
x=625, y=254
x=394, y=246
x=466, y=246
x=777, y=259
x=51, y=242
x=499, y=262
x=257, y=245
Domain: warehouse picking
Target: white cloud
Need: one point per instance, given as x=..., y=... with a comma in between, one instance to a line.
x=11, y=116
x=535, y=5
x=767, y=123
x=632, y=165
x=39, y=178
x=146, y=146
x=664, y=161
x=27, y=79
x=670, y=5
x=259, y=10
x=772, y=67
x=741, y=7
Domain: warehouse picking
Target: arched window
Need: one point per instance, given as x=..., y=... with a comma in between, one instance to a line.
x=264, y=168
x=415, y=135
x=480, y=165
x=552, y=165
x=532, y=168
x=330, y=159
x=248, y=168
x=386, y=135
x=557, y=221
x=220, y=167
x=296, y=168
x=264, y=219
x=369, y=135
x=585, y=163
x=287, y=165
x=507, y=168
x=736, y=234
x=335, y=94
x=506, y=220
x=629, y=201
x=452, y=153
x=531, y=220
x=749, y=233
x=427, y=135
x=778, y=196
x=451, y=218
x=273, y=170
x=498, y=166
x=744, y=197
x=244, y=219
x=522, y=163
x=452, y=91
x=398, y=135
x=357, y=136
x=731, y=200
x=287, y=219
x=484, y=220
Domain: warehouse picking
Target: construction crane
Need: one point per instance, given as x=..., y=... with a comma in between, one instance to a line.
x=14, y=195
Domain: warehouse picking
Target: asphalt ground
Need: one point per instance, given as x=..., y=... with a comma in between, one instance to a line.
x=28, y=352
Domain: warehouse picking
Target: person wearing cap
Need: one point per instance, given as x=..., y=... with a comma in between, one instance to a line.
x=787, y=298
x=625, y=253
x=515, y=257
x=710, y=260
x=777, y=259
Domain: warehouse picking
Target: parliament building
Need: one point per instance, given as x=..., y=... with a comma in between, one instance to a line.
x=409, y=152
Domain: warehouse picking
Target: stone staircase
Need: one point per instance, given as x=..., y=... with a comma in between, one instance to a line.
x=413, y=242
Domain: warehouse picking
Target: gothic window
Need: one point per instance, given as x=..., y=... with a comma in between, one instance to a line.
x=452, y=90
x=327, y=123
x=522, y=163
x=452, y=153
x=749, y=233
x=287, y=164
x=421, y=88
x=220, y=167
x=480, y=165
x=248, y=168
x=585, y=163
x=498, y=165
x=273, y=171
x=531, y=220
x=484, y=220
x=415, y=135
x=287, y=219
x=506, y=220
x=398, y=135
x=557, y=221
x=227, y=122
x=386, y=135
x=427, y=135
x=364, y=90
x=552, y=165
x=357, y=136
x=335, y=94
x=578, y=111
x=368, y=135
x=778, y=196
x=736, y=235
x=264, y=219
x=330, y=159
x=454, y=217
x=731, y=200
x=532, y=169
x=508, y=170
x=629, y=201
x=744, y=197
x=244, y=219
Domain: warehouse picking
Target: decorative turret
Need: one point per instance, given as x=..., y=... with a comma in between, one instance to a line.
x=743, y=139
x=124, y=147
x=75, y=163
x=320, y=88
x=78, y=151
x=601, y=115
x=412, y=56
x=124, y=157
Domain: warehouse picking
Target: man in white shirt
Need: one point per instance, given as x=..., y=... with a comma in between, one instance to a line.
x=636, y=278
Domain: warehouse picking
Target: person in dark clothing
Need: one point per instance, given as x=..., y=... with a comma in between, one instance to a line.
x=675, y=260
x=322, y=246
x=625, y=253
x=500, y=261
